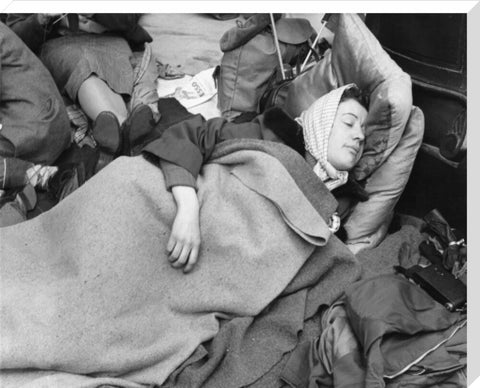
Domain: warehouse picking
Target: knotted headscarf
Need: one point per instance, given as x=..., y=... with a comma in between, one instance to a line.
x=317, y=122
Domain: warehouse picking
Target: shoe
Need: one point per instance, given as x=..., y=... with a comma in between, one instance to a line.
x=69, y=177
x=137, y=127
x=107, y=133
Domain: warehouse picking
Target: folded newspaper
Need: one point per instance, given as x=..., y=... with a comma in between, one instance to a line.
x=197, y=93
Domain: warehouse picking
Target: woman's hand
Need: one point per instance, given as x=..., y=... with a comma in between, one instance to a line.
x=184, y=242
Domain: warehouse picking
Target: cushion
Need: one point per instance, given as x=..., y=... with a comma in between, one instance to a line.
x=368, y=224
x=357, y=56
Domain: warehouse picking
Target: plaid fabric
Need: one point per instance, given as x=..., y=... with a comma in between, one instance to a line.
x=38, y=175
x=317, y=122
x=79, y=121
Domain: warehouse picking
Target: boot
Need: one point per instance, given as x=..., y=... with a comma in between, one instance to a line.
x=107, y=133
x=136, y=129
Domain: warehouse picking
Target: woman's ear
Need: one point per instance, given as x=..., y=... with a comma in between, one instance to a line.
x=285, y=128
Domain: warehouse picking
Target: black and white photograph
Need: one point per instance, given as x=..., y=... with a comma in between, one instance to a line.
x=270, y=196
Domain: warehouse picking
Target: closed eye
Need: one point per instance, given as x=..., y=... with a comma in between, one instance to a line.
x=349, y=119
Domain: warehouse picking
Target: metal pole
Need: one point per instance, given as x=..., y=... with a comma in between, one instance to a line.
x=277, y=46
x=324, y=23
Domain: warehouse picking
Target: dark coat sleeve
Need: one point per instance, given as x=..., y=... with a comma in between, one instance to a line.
x=27, y=27
x=190, y=143
x=176, y=176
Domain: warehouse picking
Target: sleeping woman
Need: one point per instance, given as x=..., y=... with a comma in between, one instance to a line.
x=91, y=289
x=330, y=134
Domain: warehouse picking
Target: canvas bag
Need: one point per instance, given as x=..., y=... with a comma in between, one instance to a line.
x=250, y=59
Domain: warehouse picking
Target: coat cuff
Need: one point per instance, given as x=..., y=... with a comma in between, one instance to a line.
x=172, y=148
x=176, y=176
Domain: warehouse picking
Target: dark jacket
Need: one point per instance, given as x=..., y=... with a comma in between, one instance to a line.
x=34, y=121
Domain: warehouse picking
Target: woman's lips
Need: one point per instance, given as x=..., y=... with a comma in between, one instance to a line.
x=353, y=149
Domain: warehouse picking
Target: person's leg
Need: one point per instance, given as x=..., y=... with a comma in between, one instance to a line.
x=108, y=112
x=95, y=96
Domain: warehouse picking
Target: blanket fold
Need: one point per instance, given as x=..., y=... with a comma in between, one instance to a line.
x=86, y=288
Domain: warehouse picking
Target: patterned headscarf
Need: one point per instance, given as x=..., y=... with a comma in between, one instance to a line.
x=317, y=122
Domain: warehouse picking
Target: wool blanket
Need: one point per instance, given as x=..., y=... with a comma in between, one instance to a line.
x=87, y=294
x=252, y=351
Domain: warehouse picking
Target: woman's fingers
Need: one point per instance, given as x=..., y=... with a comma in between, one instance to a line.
x=182, y=258
x=192, y=259
x=183, y=255
x=183, y=252
x=175, y=252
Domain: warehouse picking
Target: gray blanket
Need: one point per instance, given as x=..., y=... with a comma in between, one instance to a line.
x=88, y=297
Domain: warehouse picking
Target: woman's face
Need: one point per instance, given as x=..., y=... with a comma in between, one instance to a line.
x=345, y=145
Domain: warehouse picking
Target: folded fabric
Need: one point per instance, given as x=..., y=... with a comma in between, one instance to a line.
x=399, y=325
x=386, y=331
x=324, y=360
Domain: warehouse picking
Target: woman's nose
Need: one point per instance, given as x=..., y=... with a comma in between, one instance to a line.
x=359, y=133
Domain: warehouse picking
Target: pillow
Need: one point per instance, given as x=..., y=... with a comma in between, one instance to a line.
x=357, y=56
x=369, y=221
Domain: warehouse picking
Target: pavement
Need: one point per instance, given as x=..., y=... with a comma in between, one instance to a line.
x=189, y=42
